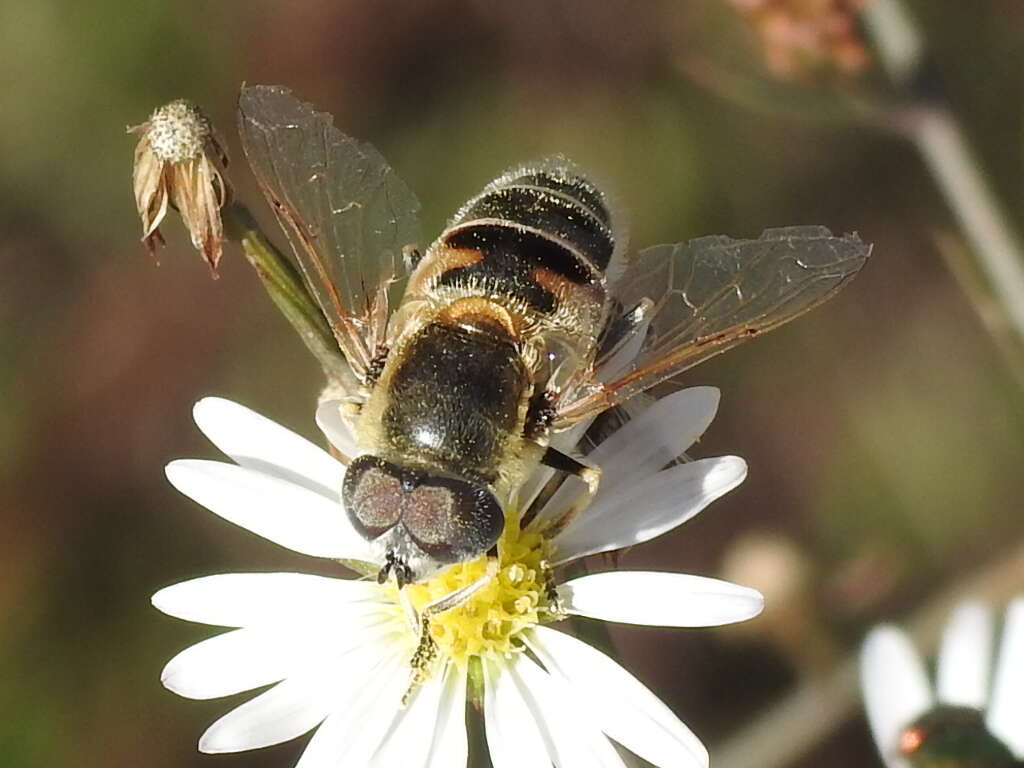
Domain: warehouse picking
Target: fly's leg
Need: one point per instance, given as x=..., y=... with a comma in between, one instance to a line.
x=589, y=475
x=426, y=653
x=560, y=461
x=411, y=256
x=462, y=594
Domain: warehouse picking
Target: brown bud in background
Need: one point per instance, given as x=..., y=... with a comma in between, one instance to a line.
x=181, y=162
x=782, y=572
x=802, y=35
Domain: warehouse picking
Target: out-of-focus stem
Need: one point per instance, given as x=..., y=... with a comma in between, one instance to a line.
x=941, y=142
x=897, y=39
x=289, y=294
x=793, y=726
x=990, y=312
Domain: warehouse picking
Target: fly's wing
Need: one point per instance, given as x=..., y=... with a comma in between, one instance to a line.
x=713, y=293
x=347, y=214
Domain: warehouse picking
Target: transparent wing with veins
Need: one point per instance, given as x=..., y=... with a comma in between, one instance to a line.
x=347, y=214
x=716, y=292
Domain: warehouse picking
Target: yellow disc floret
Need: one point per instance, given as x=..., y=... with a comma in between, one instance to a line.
x=488, y=623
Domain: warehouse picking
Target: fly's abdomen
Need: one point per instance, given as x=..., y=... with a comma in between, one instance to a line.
x=536, y=241
x=554, y=202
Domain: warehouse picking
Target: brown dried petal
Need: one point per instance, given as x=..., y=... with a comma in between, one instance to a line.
x=196, y=195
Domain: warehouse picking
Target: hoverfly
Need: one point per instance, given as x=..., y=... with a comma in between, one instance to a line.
x=523, y=320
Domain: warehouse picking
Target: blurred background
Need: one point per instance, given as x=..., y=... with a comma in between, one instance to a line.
x=883, y=431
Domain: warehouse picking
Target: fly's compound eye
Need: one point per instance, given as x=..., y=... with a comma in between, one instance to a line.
x=373, y=495
x=450, y=519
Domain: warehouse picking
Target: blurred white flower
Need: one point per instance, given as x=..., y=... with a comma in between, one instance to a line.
x=963, y=722
x=338, y=651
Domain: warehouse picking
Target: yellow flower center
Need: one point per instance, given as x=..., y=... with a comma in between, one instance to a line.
x=488, y=623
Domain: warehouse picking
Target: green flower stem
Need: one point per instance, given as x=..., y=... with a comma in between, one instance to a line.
x=286, y=288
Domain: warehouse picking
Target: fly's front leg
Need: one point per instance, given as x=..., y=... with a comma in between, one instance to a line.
x=411, y=255
x=426, y=653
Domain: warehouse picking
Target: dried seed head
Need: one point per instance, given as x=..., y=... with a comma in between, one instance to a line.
x=181, y=163
x=178, y=131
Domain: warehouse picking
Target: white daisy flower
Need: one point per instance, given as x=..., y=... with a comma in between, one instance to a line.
x=338, y=651
x=963, y=721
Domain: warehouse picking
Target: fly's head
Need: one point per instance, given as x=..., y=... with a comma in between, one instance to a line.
x=419, y=522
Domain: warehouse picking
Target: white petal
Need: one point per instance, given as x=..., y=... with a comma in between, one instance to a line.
x=513, y=738
x=379, y=712
x=235, y=661
x=643, y=446
x=648, y=442
x=895, y=688
x=621, y=705
x=620, y=361
x=450, y=748
x=360, y=716
x=408, y=739
x=1005, y=716
x=659, y=599
x=658, y=435
x=256, y=442
x=337, y=430
x=289, y=709
x=250, y=658
x=285, y=513
x=965, y=657
x=564, y=718
x=244, y=599
x=640, y=512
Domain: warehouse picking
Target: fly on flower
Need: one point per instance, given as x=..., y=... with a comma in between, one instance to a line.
x=523, y=321
x=522, y=333
x=972, y=716
x=336, y=652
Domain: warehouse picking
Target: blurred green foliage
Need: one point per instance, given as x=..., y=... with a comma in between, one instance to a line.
x=882, y=431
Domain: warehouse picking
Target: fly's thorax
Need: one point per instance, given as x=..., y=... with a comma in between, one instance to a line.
x=442, y=440
x=453, y=397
